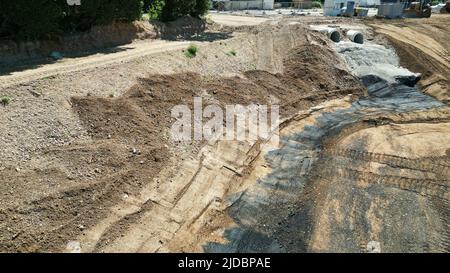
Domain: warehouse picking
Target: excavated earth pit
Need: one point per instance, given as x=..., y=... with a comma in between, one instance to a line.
x=362, y=165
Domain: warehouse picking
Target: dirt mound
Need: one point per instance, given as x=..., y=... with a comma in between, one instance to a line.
x=145, y=108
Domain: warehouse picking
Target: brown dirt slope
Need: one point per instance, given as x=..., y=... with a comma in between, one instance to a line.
x=423, y=46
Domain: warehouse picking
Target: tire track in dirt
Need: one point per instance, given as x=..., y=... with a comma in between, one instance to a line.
x=425, y=44
x=440, y=166
x=430, y=187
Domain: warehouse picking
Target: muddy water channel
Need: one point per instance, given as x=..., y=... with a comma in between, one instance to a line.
x=365, y=175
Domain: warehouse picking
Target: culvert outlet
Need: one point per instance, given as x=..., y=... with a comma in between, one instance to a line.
x=333, y=34
x=355, y=36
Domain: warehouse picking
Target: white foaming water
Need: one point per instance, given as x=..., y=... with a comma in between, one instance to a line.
x=372, y=59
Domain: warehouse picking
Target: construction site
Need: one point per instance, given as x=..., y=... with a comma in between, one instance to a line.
x=359, y=161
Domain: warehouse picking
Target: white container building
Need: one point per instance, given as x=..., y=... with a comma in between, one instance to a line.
x=333, y=7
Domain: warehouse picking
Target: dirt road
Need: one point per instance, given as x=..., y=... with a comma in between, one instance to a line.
x=124, y=53
x=233, y=20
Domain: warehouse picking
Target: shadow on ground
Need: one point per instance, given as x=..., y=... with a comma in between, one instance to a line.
x=7, y=68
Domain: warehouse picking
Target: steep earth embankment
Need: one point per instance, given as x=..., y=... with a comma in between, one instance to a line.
x=423, y=46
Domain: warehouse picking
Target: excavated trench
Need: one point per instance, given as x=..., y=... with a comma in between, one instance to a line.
x=343, y=179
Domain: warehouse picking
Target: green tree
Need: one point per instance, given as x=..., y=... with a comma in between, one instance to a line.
x=201, y=8
x=128, y=10
x=28, y=20
x=174, y=9
x=46, y=19
x=155, y=9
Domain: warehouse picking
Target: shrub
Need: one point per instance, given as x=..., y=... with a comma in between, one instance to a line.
x=201, y=8
x=100, y=12
x=316, y=5
x=191, y=51
x=146, y=5
x=127, y=10
x=155, y=9
x=29, y=20
x=174, y=9
x=232, y=53
x=2, y=20
x=5, y=100
x=44, y=19
x=91, y=13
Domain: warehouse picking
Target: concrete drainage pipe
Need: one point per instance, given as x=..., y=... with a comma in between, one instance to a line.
x=333, y=34
x=355, y=36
